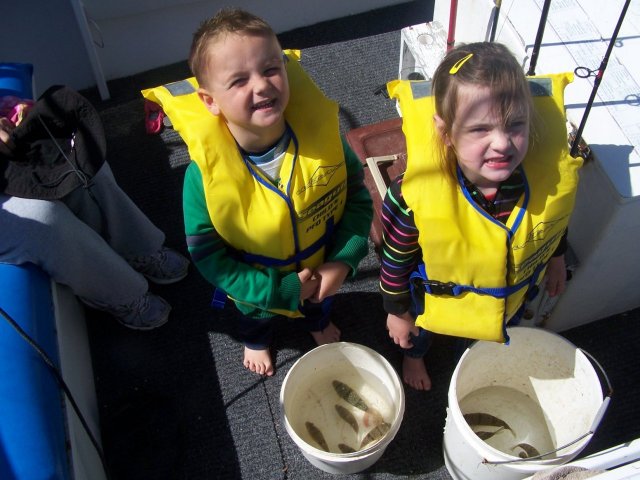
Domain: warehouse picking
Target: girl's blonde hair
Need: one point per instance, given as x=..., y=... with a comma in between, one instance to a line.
x=489, y=64
x=227, y=20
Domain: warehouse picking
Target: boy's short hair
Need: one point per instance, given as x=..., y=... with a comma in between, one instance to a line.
x=227, y=20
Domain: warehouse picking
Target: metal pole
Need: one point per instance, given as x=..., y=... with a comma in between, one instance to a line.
x=85, y=32
x=453, y=13
x=496, y=14
x=538, y=42
x=598, y=80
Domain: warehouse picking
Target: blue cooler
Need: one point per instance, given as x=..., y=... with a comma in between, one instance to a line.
x=16, y=79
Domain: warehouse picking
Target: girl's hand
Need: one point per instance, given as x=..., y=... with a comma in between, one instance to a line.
x=399, y=327
x=556, y=276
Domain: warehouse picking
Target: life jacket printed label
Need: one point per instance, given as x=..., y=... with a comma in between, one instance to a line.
x=320, y=178
x=539, y=232
x=541, y=254
x=325, y=208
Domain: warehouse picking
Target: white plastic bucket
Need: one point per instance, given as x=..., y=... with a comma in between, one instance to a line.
x=308, y=396
x=541, y=386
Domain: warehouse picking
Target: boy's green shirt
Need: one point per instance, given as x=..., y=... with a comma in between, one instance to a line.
x=270, y=288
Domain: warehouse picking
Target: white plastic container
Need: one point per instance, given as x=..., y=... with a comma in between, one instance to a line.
x=540, y=385
x=619, y=462
x=308, y=396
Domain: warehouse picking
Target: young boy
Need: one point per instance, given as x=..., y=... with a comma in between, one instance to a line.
x=275, y=209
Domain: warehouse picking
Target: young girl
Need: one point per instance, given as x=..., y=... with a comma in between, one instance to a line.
x=483, y=207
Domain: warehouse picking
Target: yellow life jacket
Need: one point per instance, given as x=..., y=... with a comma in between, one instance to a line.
x=286, y=226
x=478, y=272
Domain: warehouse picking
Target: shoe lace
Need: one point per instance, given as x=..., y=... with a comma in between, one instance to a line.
x=155, y=259
x=138, y=306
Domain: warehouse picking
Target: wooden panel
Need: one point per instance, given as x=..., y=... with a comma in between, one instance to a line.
x=379, y=140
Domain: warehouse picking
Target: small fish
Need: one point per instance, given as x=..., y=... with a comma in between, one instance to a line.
x=346, y=393
x=375, y=434
x=317, y=436
x=529, y=451
x=476, y=419
x=487, y=435
x=344, y=448
x=372, y=417
x=348, y=417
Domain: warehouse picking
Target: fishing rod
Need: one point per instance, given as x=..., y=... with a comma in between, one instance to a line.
x=451, y=35
x=538, y=42
x=496, y=14
x=584, y=72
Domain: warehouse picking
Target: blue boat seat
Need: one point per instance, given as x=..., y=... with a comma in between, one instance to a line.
x=40, y=435
x=32, y=423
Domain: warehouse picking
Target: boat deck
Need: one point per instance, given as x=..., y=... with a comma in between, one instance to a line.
x=176, y=403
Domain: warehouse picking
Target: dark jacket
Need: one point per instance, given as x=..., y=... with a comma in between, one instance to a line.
x=61, y=119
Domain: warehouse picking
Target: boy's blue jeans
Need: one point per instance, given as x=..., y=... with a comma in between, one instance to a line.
x=257, y=333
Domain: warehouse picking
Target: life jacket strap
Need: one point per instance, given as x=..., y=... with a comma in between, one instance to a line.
x=295, y=258
x=219, y=298
x=419, y=280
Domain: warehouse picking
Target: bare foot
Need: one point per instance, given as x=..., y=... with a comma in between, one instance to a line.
x=330, y=334
x=258, y=361
x=414, y=373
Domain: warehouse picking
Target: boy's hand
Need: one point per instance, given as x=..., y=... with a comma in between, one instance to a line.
x=331, y=276
x=308, y=283
x=556, y=276
x=399, y=327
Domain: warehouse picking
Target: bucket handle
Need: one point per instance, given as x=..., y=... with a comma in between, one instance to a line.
x=592, y=429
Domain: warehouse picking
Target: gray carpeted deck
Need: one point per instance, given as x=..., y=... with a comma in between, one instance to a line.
x=176, y=403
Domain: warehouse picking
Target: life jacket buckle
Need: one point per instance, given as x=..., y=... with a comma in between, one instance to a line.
x=435, y=287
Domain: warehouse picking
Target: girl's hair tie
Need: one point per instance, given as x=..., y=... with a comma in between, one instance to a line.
x=458, y=65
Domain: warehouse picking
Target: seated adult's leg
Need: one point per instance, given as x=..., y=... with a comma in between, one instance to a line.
x=46, y=233
x=107, y=209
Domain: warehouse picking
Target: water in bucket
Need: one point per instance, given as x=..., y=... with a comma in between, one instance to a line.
x=512, y=422
x=342, y=417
